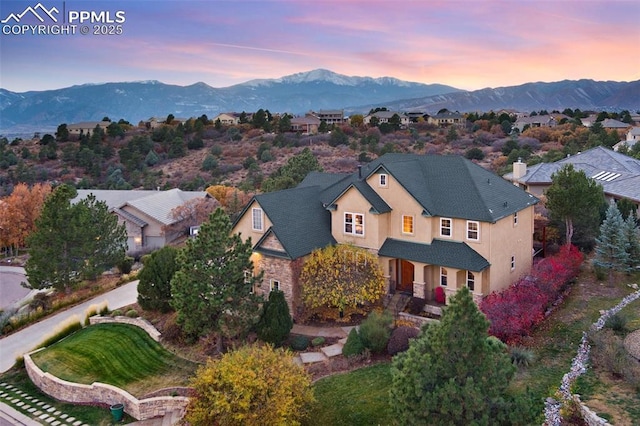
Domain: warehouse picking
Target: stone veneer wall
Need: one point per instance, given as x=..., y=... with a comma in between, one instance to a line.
x=285, y=271
x=101, y=393
x=138, y=322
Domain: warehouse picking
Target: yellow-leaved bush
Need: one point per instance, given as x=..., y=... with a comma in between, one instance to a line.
x=341, y=276
x=253, y=385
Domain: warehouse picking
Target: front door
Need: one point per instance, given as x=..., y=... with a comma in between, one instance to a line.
x=405, y=276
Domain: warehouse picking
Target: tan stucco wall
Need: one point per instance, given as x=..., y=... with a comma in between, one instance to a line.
x=244, y=228
x=353, y=202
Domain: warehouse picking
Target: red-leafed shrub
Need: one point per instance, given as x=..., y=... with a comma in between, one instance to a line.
x=399, y=340
x=440, y=296
x=514, y=311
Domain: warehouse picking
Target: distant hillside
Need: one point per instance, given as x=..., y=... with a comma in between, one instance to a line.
x=24, y=113
x=135, y=101
x=582, y=94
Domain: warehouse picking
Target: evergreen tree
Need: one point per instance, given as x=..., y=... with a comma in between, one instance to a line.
x=612, y=245
x=454, y=374
x=73, y=241
x=575, y=199
x=154, y=288
x=276, y=322
x=633, y=239
x=210, y=289
x=293, y=172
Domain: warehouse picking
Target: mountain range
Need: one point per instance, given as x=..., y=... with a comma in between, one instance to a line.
x=32, y=111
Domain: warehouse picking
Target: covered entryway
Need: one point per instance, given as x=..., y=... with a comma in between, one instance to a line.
x=405, y=276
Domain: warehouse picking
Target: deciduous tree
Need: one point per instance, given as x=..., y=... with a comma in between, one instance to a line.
x=575, y=199
x=191, y=213
x=210, y=289
x=455, y=374
x=18, y=214
x=341, y=276
x=73, y=241
x=254, y=385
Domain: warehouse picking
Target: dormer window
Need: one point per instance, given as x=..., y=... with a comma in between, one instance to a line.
x=382, y=180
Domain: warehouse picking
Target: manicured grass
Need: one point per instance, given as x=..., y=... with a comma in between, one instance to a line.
x=116, y=354
x=360, y=397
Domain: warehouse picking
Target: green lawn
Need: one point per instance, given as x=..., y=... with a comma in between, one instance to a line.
x=360, y=397
x=116, y=354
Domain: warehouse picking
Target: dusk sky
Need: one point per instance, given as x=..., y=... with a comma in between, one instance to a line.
x=469, y=44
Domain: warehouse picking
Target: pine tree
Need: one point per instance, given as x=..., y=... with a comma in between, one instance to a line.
x=154, y=288
x=453, y=373
x=73, y=241
x=210, y=290
x=276, y=322
x=633, y=238
x=612, y=245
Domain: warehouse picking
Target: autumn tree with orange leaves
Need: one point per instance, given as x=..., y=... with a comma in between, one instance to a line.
x=231, y=199
x=18, y=214
x=192, y=213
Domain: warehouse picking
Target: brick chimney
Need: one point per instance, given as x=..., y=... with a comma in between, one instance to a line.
x=519, y=169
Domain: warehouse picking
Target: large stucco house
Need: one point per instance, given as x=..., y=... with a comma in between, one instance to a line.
x=146, y=214
x=433, y=221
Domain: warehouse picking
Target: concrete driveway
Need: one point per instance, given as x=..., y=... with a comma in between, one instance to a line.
x=11, y=292
x=24, y=340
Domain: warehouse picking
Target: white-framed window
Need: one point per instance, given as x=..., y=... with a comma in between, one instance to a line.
x=446, y=226
x=513, y=262
x=471, y=280
x=407, y=224
x=248, y=275
x=515, y=218
x=443, y=277
x=256, y=219
x=382, y=180
x=473, y=230
x=274, y=285
x=354, y=223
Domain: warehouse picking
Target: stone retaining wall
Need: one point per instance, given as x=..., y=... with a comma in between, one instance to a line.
x=102, y=394
x=138, y=322
x=417, y=320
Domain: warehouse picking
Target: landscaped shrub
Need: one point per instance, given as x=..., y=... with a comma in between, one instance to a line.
x=116, y=313
x=353, y=345
x=399, y=340
x=521, y=356
x=440, y=295
x=132, y=313
x=318, y=341
x=275, y=324
x=299, y=343
x=617, y=323
x=125, y=265
x=416, y=305
x=514, y=311
x=374, y=331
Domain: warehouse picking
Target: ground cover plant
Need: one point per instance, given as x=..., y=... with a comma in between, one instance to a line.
x=116, y=354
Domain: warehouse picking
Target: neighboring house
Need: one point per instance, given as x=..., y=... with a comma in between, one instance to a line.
x=385, y=116
x=433, y=221
x=307, y=125
x=145, y=214
x=633, y=136
x=446, y=119
x=611, y=124
x=618, y=174
x=86, y=127
x=228, y=118
x=535, y=121
x=416, y=116
x=329, y=116
x=588, y=121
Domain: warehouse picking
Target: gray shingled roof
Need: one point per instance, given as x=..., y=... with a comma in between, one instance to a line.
x=452, y=186
x=621, y=173
x=443, y=253
x=300, y=221
x=157, y=204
